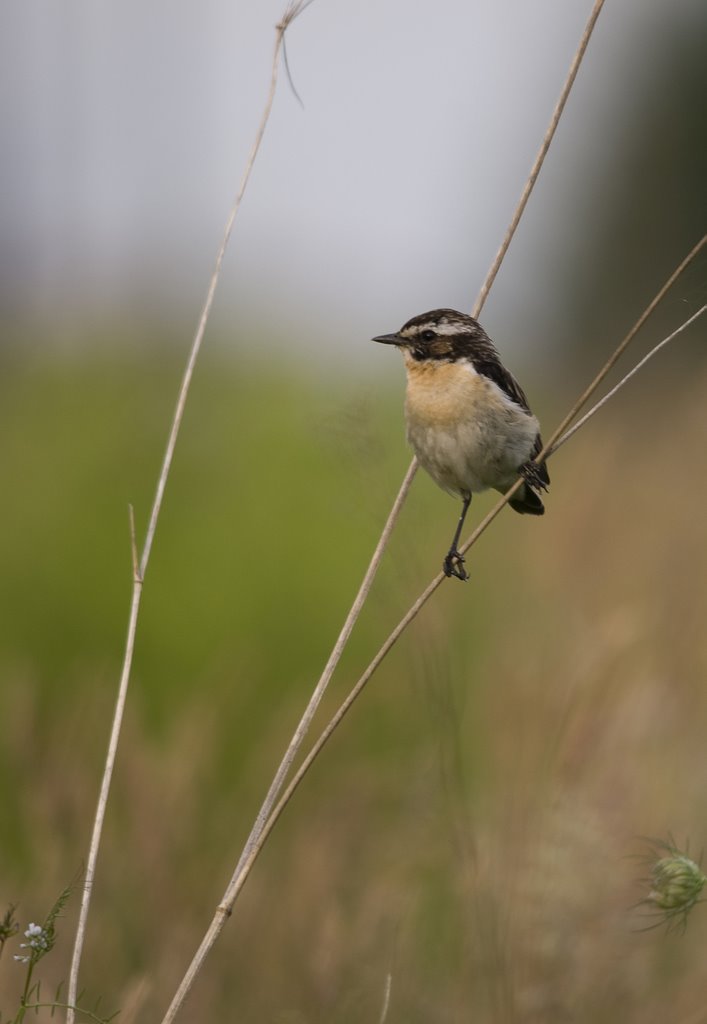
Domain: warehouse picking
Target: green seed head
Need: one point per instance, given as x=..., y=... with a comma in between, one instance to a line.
x=676, y=884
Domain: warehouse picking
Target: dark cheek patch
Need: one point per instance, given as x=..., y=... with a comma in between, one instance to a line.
x=440, y=349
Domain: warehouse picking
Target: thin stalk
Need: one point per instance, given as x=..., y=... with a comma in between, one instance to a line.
x=324, y=679
x=625, y=379
x=87, y=889
x=386, y=998
x=540, y=158
x=25, y=994
x=254, y=842
x=620, y=349
x=140, y=568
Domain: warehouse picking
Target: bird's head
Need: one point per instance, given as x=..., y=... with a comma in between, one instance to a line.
x=442, y=335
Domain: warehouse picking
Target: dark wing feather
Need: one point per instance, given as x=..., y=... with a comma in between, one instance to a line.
x=496, y=371
x=542, y=472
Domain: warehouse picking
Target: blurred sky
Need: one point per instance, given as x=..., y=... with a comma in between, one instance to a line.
x=126, y=126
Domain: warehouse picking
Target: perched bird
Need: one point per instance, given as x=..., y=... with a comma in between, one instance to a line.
x=467, y=417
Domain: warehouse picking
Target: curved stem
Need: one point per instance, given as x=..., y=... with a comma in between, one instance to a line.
x=139, y=569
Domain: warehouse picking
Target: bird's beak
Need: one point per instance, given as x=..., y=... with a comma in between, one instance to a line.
x=389, y=339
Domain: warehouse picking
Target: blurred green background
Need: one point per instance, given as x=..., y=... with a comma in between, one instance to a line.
x=471, y=827
x=474, y=829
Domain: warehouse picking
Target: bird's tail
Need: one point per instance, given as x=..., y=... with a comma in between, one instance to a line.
x=527, y=502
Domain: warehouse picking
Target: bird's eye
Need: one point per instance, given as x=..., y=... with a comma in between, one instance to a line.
x=428, y=335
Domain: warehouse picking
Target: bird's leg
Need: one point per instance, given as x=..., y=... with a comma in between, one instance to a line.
x=453, y=564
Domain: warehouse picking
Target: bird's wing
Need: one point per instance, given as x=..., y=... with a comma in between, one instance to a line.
x=504, y=379
x=542, y=472
x=496, y=371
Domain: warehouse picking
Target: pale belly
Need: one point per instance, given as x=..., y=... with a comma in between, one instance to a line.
x=469, y=437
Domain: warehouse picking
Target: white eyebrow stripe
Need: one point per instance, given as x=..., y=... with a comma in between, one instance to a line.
x=450, y=327
x=444, y=328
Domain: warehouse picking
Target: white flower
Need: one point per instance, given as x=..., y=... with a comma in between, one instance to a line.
x=38, y=942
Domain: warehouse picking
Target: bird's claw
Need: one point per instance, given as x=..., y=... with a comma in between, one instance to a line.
x=454, y=565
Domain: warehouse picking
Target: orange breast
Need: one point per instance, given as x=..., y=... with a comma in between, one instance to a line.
x=441, y=394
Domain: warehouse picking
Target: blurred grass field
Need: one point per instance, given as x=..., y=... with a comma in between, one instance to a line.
x=471, y=828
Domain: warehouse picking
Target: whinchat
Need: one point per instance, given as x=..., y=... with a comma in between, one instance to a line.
x=468, y=420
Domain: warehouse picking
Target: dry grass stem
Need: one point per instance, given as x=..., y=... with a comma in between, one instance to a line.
x=324, y=679
x=87, y=888
x=386, y=998
x=256, y=838
x=620, y=349
x=624, y=380
x=539, y=160
x=139, y=569
x=133, y=544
